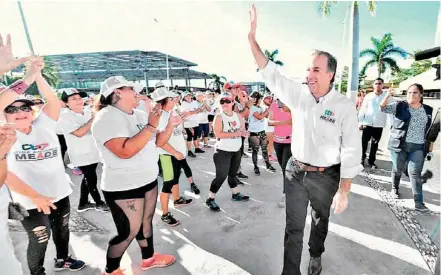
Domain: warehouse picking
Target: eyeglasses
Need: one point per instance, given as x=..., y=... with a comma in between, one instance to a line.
x=16, y=109
x=225, y=101
x=38, y=102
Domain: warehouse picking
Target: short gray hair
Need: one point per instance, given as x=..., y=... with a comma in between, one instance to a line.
x=332, y=61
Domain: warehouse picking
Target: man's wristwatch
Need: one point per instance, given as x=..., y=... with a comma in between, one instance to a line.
x=19, y=87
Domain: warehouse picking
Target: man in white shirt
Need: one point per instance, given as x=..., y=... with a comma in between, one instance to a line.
x=372, y=121
x=326, y=151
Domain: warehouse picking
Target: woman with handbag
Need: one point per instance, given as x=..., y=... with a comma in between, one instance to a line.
x=37, y=179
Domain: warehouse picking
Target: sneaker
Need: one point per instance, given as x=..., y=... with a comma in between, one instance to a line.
x=199, y=150
x=158, y=260
x=240, y=182
x=68, y=264
x=239, y=197
x=373, y=165
x=207, y=146
x=195, y=189
x=257, y=171
x=282, y=201
x=245, y=156
x=169, y=220
x=191, y=154
x=115, y=272
x=250, y=149
x=102, y=207
x=182, y=202
x=212, y=205
x=270, y=168
x=77, y=172
x=421, y=207
x=241, y=175
x=86, y=207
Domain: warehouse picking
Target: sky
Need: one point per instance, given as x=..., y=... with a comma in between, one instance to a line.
x=214, y=34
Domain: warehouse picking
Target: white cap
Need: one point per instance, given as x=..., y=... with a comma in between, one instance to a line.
x=159, y=85
x=115, y=82
x=161, y=93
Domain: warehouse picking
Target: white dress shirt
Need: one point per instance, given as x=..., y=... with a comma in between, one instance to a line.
x=370, y=113
x=324, y=133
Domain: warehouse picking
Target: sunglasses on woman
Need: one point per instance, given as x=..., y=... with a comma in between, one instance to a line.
x=225, y=101
x=16, y=109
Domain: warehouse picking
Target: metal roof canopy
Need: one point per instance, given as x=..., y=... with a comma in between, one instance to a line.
x=119, y=60
x=158, y=74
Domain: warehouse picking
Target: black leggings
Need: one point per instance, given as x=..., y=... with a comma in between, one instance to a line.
x=242, y=148
x=170, y=172
x=184, y=165
x=191, y=136
x=132, y=212
x=89, y=185
x=39, y=226
x=283, y=153
x=259, y=140
x=227, y=165
x=63, y=145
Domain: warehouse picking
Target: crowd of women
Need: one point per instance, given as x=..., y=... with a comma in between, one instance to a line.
x=136, y=137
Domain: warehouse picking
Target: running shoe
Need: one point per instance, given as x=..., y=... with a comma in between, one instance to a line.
x=158, y=260
x=86, y=207
x=116, y=272
x=270, y=168
x=195, y=189
x=422, y=208
x=241, y=175
x=169, y=220
x=77, y=171
x=239, y=197
x=68, y=264
x=257, y=171
x=207, y=146
x=191, y=154
x=212, y=205
x=102, y=207
x=199, y=150
x=182, y=201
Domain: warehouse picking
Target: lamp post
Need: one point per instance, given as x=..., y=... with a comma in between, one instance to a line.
x=166, y=54
x=23, y=19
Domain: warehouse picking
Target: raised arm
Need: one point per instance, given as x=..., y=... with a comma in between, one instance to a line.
x=52, y=107
x=7, y=139
x=287, y=90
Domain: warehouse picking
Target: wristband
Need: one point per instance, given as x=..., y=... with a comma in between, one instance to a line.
x=19, y=87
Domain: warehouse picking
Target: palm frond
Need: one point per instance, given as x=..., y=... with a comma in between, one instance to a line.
x=325, y=7
x=372, y=6
x=368, y=64
x=369, y=52
x=267, y=54
x=390, y=63
x=275, y=52
x=395, y=51
x=223, y=78
x=376, y=43
x=280, y=63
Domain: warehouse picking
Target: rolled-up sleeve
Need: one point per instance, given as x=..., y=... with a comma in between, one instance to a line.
x=350, y=145
x=289, y=91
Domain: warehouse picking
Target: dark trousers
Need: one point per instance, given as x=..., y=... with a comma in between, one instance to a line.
x=227, y=165
x=184, y=165
x=39, y=226
x=368, y=134
x=411, y=155
x=283, y=153
x=63, y=145
x=302, y=187
x=89, y=185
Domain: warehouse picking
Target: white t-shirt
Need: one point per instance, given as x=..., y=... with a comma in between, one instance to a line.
x=176, y=140
x=124, y=174
x=202, y=116
x=59, y=129
x=82, y=150
x=255, y=125
x=230, y=124
x=193, y=120
x=36, y=160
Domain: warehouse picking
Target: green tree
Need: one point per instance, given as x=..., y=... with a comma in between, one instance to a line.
x=343, y=82
x=216, y=81
x=416, y=68
x=382, y=55
x=325, y=10
x=272, y=57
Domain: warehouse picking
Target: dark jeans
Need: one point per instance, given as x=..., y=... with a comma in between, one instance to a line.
x=204, y=130
x=63, y=145
x=283, y=153
x=302, y=187
x=413, y=155
x=39, y=226
x=368, y=134
x=89, y=185
x=227, y=165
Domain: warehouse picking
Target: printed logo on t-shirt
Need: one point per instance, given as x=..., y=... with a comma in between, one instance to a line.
x=35, y=152
x=232, y=127
x=328, y=116
x=177, y=131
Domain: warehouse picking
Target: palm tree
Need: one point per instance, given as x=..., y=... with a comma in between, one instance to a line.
x=382, y=55
x=325, y=10
x=50, y=74
x=217, y=82
x=272, y=57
